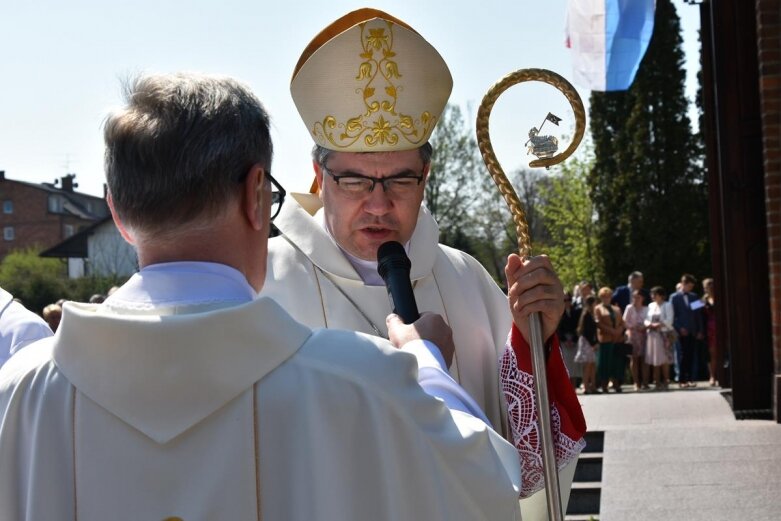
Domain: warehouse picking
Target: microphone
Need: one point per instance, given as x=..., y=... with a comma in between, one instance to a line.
x=393, y=265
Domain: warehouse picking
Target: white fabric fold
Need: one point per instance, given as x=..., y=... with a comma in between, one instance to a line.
x=119, y=363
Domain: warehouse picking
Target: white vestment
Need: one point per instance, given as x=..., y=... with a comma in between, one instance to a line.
x=312, y=279
x=18, y=326
x=206, y=409
x=309, y=275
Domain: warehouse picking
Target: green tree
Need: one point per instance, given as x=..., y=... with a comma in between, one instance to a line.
x=471, y=214
x=453, y=190
x=648, y=187
x=570, y=219
x=37, y=281
x=531, y=187
x=494, y=233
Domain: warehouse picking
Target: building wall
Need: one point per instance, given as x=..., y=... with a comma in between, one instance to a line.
x=33, y=224
x=109, y=253
x=76, y=268
x=31, y=221
x=739, y=221
x=769, y=49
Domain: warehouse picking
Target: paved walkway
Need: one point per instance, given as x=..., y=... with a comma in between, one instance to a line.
x=682, y=456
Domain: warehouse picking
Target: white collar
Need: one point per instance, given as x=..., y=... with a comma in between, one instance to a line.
x=297, y=224
x=366, y=269
x=174, y=284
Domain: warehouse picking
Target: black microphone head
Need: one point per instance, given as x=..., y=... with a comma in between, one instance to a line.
x=391, y=254
x=390, y=248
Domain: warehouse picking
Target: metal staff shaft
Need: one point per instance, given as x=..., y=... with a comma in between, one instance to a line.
x=550, y=468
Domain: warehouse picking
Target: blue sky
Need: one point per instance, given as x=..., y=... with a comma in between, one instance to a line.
x=61, y=64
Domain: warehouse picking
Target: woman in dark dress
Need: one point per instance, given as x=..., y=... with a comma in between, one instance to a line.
x=709, y=317
x=588, y=345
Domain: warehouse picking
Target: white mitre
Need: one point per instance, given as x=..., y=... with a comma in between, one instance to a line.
x=370, y=83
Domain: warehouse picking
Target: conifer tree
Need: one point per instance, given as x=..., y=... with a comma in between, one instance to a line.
x=647, y=183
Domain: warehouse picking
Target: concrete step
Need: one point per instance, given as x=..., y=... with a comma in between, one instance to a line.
x=587, y=487
x=595, y=441
x=589, y=467
x=584, y=498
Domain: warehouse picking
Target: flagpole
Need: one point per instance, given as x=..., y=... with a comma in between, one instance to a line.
x=543, y=123
x=542, y=401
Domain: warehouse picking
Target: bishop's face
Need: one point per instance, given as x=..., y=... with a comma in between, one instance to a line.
x=361, y=222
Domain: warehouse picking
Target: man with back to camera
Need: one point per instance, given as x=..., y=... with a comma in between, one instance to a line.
x=183, y=396
x=370, y=90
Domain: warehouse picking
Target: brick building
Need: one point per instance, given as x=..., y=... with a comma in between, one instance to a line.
x=42, y=215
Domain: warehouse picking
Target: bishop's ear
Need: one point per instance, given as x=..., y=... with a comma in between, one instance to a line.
x=317, y=183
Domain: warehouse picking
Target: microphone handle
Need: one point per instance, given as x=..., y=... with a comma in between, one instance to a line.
x=401, y=295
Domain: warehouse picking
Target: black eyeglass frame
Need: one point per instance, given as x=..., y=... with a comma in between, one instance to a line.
x=374, y=180
x=277, y=197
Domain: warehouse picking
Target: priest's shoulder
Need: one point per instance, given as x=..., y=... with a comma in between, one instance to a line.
x=30, y=367
x=357, y=357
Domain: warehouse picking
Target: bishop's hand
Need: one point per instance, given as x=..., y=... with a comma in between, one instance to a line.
x=534, y=286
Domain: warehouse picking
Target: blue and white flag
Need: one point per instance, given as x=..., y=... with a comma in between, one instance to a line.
x=608, y=39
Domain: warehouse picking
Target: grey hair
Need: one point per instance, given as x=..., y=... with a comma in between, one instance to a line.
x=177, y=152
x=635, y=275
x=321, y=154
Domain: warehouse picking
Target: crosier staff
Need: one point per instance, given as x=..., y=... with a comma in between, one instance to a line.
x=552, y=489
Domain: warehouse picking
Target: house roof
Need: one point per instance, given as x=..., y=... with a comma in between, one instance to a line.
x=75, y=202
x=75, y=246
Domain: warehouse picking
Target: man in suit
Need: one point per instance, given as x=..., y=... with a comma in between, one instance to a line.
x=622, y=296
x=688, y=325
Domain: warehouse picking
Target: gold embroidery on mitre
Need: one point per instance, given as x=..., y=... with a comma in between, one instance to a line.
x=380, y=124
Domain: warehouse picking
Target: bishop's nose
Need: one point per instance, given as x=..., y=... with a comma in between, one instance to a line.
x=377, y=202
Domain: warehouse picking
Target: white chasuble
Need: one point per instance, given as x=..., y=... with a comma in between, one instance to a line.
x=235, y=413
x=309, y=275
x=312, y=279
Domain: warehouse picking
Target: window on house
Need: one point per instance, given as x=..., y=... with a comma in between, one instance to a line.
x=8, y=233
x=8, y=207
x=55, y=204
x=68, y=230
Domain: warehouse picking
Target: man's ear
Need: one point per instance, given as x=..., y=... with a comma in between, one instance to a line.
x=253, y=197
x=121, y=227
x=426, y=169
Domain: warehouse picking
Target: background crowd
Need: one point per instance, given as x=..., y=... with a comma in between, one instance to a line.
x=632, y=334
x=616, y=336
x=52, y=313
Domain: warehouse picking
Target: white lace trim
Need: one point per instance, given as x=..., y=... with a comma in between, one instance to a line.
x=518, y=390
